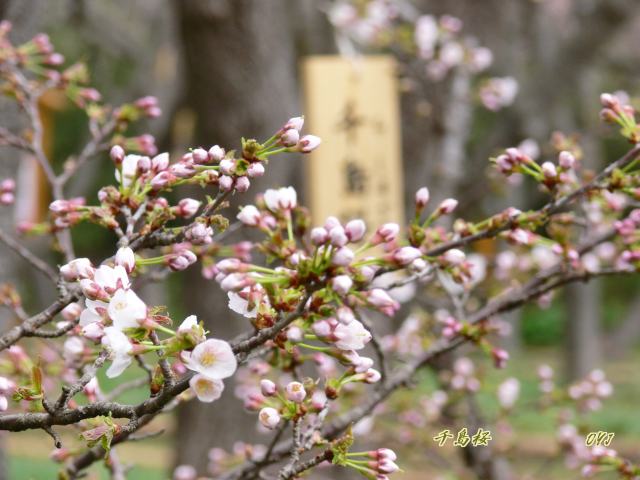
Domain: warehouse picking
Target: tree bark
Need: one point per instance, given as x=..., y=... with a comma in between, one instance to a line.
x=240, y=72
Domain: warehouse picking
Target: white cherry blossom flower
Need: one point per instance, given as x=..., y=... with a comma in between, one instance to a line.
x=269, y=417
x=284, y=198
x=188, y=323
x=120, y=348
x=352, y=336
x=126, y=309
x=129, y=169
x=126, y=259
x=241, y=306
x=95, y=311
x=206, y=389
x=212, y=358
x=111, y=278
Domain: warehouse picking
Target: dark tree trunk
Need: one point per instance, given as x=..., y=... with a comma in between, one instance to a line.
x=240, y=66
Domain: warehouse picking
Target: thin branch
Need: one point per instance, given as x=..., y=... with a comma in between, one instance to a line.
x=30, y=257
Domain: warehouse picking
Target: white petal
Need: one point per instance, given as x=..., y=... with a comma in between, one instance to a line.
x=206, y=389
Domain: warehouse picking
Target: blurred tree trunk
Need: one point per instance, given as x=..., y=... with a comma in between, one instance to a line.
x=627, y=334
x=240, y=65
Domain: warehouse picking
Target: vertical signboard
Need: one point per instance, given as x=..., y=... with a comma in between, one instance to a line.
x=352, y=104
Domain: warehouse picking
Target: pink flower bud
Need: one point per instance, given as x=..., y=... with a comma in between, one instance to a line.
x=372, y=376
x=8, y=185
x=447, y=206
x=338, y=236
x=187, y=207
x=199, y=234
x=162, y=180
x=230, y=265
x=200, y=155
x=454, y=256
x=56, y=59
x=500, y=357
x=236, y=282
x=60, y=206
x=7, y=198
x=318, y=400
x=226, y=183
x=549, y=170
x=160, y=162
x=126, y=259
x=382, y=301
x=255, y=170
x=422, y=198
x=295, y=123
x=384, y=453
x=331, y=222
x=216, y=153
x=321, y=328
x=319, y=235
x=268, y=388
x=269, y=417
x=566, y=160
x=386, y=233
x=295, y=334
x=182, y=260
x=290, y=137
x=355, y=230
x=228, y=166
x=181, y=170
x=345, y=315
x=295, y=392
x=343, y=257
x=242, y=184
x=71, y=312
x=249, y=215
x=117, y=154
x=341, y=284
x=78, y=268
x=146, y=102
x=309, y=143
x=406, y=255
x=387, y=466
x=143, y=165
x=609, y=101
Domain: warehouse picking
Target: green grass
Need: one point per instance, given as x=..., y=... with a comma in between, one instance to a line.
x=36, y=469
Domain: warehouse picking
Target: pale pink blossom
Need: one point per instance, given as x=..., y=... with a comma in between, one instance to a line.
x=206, y=389
x=341, y=284
x=212, y=358
x=126, y=259
x=249, y=215
x=267, y=387
x=120, y=349
x=295, y=392
x=309, y=143
x=282, y=199
x=269, y=417
x=126, y=309
x=216, y=153
x=508, y=392
x=355, y=230
x=352, y=336
x=77, y=269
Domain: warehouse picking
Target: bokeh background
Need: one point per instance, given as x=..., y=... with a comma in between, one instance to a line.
x=226, y=68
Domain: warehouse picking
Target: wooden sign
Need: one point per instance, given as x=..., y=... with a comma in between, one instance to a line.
x=352, y=104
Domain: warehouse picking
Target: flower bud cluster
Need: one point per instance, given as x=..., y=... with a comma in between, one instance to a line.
x=7, y=191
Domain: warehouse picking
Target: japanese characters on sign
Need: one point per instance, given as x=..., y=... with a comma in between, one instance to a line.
x=353, y=105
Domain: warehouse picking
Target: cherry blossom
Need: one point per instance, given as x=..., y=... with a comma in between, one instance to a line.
x=206, y=389
x=212, y=358
x=120, y=348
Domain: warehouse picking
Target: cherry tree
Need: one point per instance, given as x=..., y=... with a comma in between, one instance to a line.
x=307, y=293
